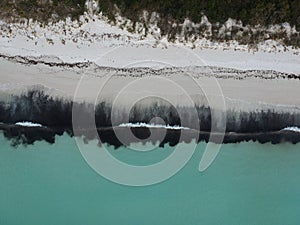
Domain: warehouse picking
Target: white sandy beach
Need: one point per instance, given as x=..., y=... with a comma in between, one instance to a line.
x=112, y=47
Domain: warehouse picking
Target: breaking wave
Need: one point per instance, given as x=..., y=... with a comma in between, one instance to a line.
x=135, y=125
x=294, y=129
x=28, y=124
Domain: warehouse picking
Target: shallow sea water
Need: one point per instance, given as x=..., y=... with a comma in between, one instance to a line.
x=248, y=184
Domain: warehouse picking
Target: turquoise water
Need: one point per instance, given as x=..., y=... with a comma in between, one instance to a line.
x=249, y=183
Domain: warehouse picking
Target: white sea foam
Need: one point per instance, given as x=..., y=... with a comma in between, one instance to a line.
x=28, y=124
x=153, y=126
x=294, y=129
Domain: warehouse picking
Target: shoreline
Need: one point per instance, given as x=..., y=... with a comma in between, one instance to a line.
x=47, y=116
x=29, y=135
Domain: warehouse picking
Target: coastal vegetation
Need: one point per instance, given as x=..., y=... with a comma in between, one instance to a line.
x=252, y=20
x=251, y=12
x=247, y=22
x=41, y=10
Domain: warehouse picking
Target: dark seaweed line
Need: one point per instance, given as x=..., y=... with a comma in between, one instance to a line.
x=35, y=61
x=56, y=115
x=139, y=72
x=38, y=107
